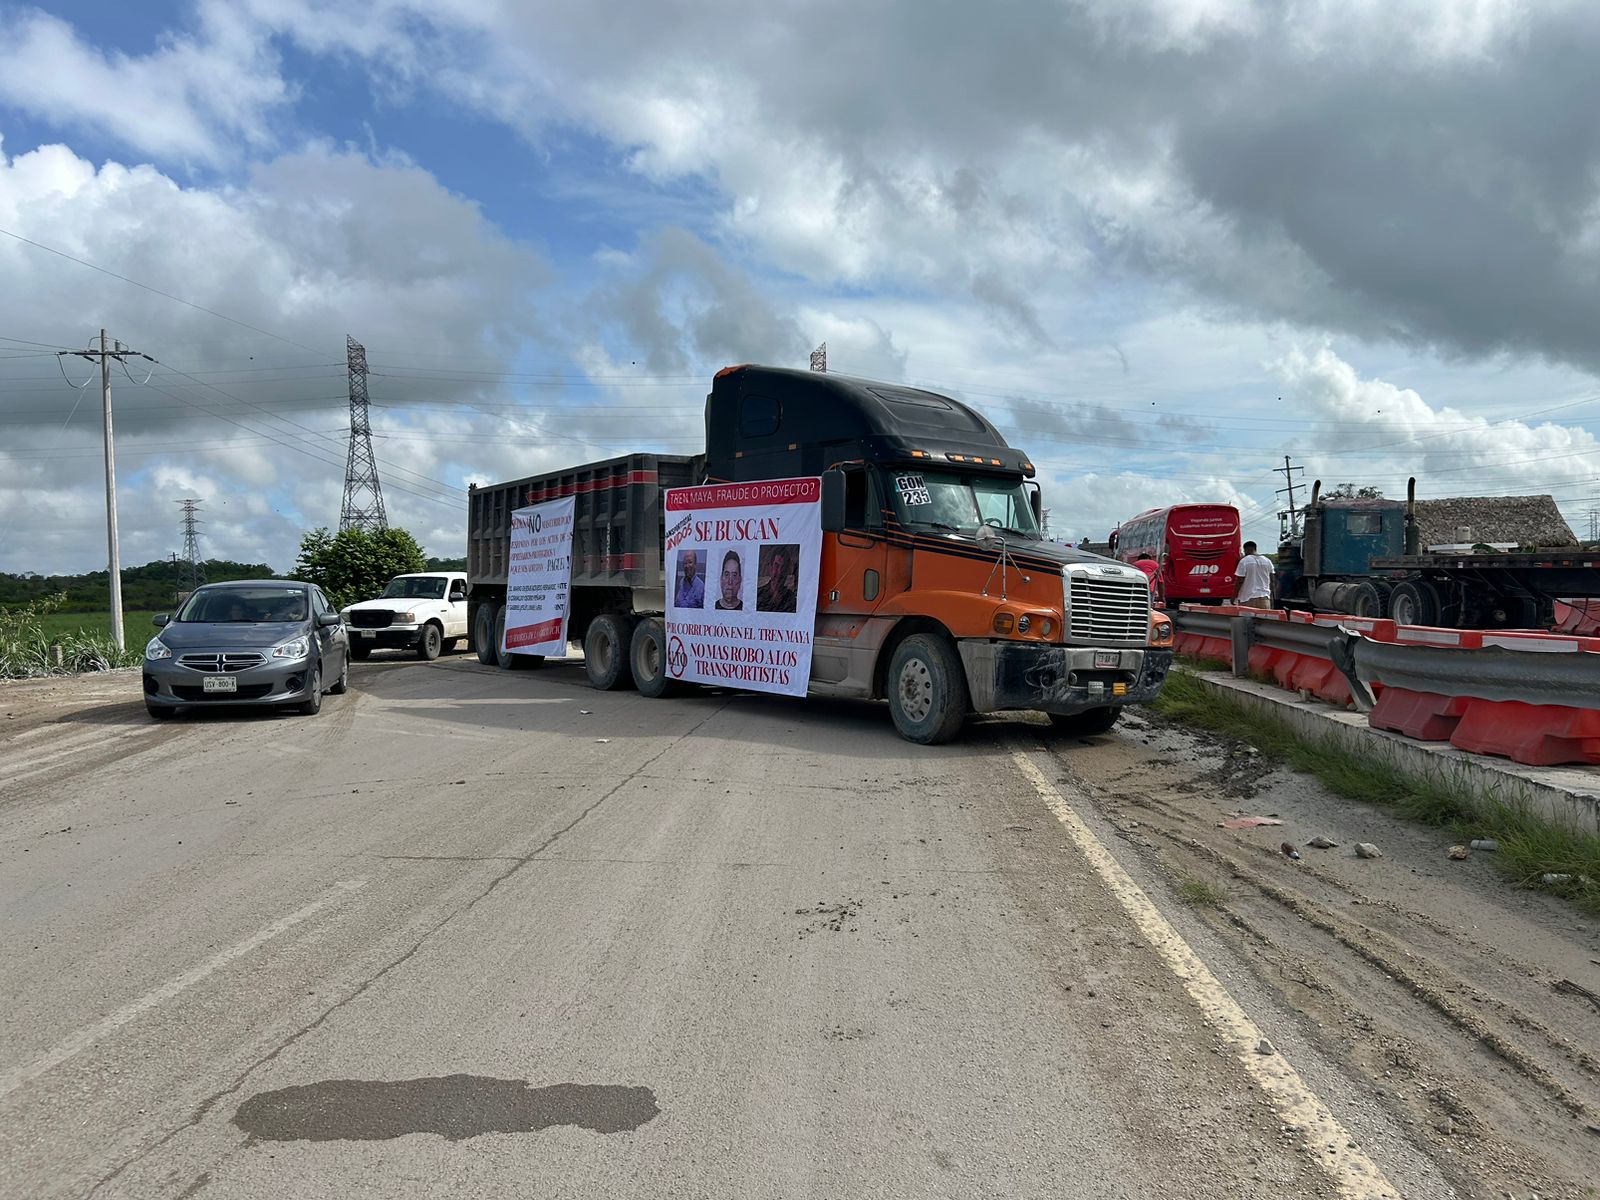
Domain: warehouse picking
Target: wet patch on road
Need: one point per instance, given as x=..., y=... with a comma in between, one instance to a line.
x=453, y=1106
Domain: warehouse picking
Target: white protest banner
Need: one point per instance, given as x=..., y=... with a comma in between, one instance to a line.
x=742, y=567
x=539, y=579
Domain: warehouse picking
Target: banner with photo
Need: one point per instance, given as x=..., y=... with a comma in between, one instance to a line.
x=539, y=579
x=742, y=567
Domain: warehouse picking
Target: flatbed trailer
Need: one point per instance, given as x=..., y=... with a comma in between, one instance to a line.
x=1515, y=590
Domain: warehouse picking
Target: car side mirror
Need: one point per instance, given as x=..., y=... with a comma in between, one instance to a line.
x=833, y=501
x=327, y=619
x=160, y=619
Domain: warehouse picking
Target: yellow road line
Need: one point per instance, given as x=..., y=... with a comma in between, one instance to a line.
x=1353, y=1173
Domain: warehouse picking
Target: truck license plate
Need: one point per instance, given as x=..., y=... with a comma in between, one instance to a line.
x=219, y=683
x=367, y=632
x=1107, y=658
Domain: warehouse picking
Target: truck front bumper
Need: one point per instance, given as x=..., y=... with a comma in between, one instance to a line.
x=390, y=637
x=1004, y=676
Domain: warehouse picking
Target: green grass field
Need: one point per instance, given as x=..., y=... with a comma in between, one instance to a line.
x=136, y=627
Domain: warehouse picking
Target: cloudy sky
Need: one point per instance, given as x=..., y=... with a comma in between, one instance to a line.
x=1162, y=243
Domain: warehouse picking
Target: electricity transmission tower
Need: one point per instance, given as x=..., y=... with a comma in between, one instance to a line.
x=192, y=570
x=363, y=500
x=819, y=358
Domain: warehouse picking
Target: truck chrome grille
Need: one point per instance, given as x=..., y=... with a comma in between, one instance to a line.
x=1109, y=610
x=215, y=663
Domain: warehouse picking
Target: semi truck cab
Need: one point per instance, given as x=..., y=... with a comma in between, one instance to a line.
x=938, y=591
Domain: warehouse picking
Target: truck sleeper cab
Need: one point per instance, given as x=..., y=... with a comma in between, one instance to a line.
x=936, y=591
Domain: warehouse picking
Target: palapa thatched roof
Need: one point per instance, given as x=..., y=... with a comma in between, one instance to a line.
x=1524, y=520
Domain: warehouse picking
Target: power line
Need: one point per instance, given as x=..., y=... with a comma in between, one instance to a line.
x=157, y=291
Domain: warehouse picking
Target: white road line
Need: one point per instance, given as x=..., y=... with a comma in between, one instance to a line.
x=1353, y=1173
x=90, y=1034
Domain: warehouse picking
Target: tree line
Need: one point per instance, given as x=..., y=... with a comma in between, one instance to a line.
x=154, y=586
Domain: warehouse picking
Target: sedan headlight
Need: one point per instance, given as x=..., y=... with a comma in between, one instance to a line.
x=294, y=648
x=155, y=648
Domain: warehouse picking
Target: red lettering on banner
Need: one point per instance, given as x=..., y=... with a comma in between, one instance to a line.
x=533, y=635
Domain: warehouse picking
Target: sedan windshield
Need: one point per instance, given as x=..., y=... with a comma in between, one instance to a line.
x=244, y=605
x=963, y=503
x=414, y=588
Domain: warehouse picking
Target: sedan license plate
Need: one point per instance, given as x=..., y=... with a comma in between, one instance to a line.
x=367, y=632
x=219, y=683
x=1107, y=658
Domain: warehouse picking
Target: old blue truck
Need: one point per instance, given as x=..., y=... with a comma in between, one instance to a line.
x=1364, y=557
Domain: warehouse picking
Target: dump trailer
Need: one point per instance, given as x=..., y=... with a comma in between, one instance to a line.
x=941, y=619
x=1364, y=557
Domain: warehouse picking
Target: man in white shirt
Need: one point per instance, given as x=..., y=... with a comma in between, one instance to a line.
x=1254, y=574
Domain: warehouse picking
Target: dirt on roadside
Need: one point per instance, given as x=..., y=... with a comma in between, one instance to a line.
x=1467, y=1007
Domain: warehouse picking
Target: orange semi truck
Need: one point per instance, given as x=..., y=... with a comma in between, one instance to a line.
x=941, y=598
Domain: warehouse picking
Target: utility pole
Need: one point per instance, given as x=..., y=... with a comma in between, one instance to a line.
x=1291, y=527
x=108, y=351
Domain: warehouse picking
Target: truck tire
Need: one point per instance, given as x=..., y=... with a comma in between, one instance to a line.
x=430, y=640
x=505, y=661
x=648, y=654
x=606, y=652
x=1365, y=600
x=1093, y=720
x=927, y=688
x=483, y=640
x=1414, y=602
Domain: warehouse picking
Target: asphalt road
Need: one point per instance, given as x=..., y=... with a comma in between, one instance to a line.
x=478, y=933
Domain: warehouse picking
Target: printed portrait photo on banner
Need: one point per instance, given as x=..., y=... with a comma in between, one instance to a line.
x=779, y=573
x=688, y=579
x=730, y=583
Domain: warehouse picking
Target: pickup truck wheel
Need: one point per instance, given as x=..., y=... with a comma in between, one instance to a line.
x=429, y=642
x=313, y=701
x=1414, y=602
x=1094, y=720
x=927, y=690
x=504, y=660
x=483, y=639
x=606, y=652
x=360, y=651
x=649, y=656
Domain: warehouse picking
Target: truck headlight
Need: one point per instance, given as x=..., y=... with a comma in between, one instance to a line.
x=155, y=648
x=1160, y=629
x=405, y=618
x=293, y=648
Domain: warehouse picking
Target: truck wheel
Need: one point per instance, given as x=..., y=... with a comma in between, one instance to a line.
x=429, y=642
x=1365, y=601
x=648, y=653
x=1414, y=602
x=360, y=651
x=927, y=690
x=505, y=661
x=606, y=652
x=1094, y=720
x=483, y=639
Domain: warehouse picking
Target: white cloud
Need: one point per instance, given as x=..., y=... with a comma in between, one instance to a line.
x=193, y=98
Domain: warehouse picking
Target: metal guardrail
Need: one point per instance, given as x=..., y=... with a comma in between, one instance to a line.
x=1529, y=675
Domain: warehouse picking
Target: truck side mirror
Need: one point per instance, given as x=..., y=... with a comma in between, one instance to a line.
x=1036, y=502
x=833, y=501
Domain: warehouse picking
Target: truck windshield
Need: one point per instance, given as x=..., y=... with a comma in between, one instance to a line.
x=963, y=503
x=414, y=587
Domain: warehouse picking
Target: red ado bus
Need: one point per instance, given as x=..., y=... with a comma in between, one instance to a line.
x=1197, y=546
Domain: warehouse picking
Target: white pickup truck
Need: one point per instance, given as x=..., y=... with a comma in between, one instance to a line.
x=425, y=613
